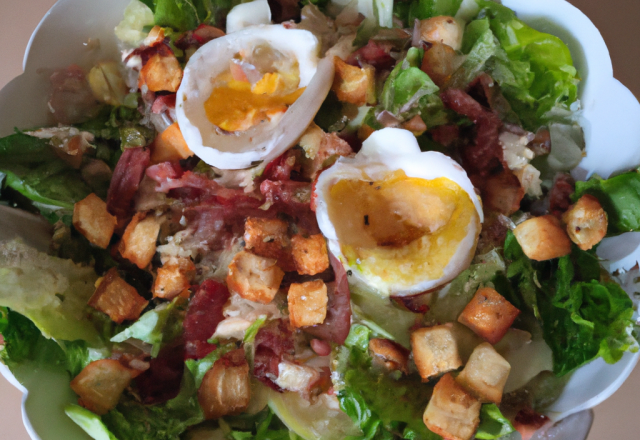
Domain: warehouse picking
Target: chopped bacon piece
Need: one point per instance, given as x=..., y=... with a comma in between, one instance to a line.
x=337, y=324
x=161, y=382
x=416, y=303
x=374, y=54
x=203, y=316
x=485, y=90
x=273, y=342
x=500, y=192
x=560, y=194
x=126, y=179
x=281, y=167
x=292, y=198
x=445, y=134
x=163, y=103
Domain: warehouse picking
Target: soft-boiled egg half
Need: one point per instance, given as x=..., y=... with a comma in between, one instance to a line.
x=401, y=220
x=248, y=96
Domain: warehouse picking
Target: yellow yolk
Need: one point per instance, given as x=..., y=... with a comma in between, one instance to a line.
x=401, y=230
x=235, y=106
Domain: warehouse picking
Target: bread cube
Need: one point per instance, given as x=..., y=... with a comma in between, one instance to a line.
x=485, y=375
x=391, y=354
x=442, y=29
x=173, y=278
x=353, y=84
x=118, y=299
x=100, y=384
x=543, y=238
x=586, y=222
x=226, y=387
x=170, y=146
x=91, y=219
x=138, y=243
x=310, y=254
x=489, y=315
x=161, y=73
x=435, y=350
x=269, y=238
x=253, y=277
x=452, y=412
x=307, y=303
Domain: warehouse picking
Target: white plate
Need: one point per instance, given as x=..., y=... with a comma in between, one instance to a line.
x=610, y=118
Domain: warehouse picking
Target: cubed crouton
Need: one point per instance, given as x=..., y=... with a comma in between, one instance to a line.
x=161, y=73
x=586, y=222
x=323, y=149
x=100, y=384
x=297, y=378
x=307, y=303
x=269, y=238
x=310, y=254
x=435, y=350
x=353, y=84
x=253, y=277
x=173, y=278
x=391, y=354
x=170, y=145
x=489, y=315
x=442, y=29
x=500, y=192
x=118, y=299
x=415, y=125
x=138, y=243
x=91, y=219
x=226, y=387
x=485, y=375
x=452, y=412
x=543, y=238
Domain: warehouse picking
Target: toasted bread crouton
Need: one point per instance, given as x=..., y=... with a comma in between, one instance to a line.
x=391, y=354
x=353, y=84
x=489, y=315
x=452, y=412
x=138, y=243
x=100, y=384
x=543, y=238
x=294, y=377
x=442, y=29
x=170, y=145
x=269, y=238
x=118, y=299
x=586, y=222
x=310, y=254
x=253, y=277
x=161, y=73
x=485, y=375
x=415, y=125
x=91, y=219
x=226, y=387
x=173, y=278
x=307, y=303
x=435, y=350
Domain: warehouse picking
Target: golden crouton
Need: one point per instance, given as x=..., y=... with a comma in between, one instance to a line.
x=253, y=277
x=485, y=374
x=307, y=303
x=138, y=243
x=100, y=384
x=118, y=299
x=269, y=238
x=586, y=222
x=226, y=387
x=452, y=412
x=543, y=238
x=170, y=145
x=353, y=84
x=173, y=278
x=310, y=254
x=415, y=125
x=391, y=354
x=161, y=73
x=91, y=219
x=489, y=315
x=442, y=29
x=435, y=350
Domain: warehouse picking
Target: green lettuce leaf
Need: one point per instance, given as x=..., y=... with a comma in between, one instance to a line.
x=421, y=9
x=620, y=198
x=89, y=422
x=198, y=368
x=522, y=275
x=184, y=15
x=261, y=426
x=252, y=331
x=493, y=424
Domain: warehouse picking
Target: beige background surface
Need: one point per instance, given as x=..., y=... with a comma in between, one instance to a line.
x=619, y=23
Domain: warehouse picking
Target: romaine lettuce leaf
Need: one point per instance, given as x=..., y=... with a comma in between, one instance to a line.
x=261, y=426
x=493, y=425
x=184, y=15
x=408, y=11
x=89, y=422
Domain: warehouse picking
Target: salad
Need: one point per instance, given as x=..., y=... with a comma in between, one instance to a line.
x=357, y=222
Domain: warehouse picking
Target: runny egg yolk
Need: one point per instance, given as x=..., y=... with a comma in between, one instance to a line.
x=236, y=105
x=401, y=229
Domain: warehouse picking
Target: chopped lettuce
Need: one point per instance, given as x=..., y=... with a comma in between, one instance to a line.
x=261, y=426
x=89, y=422
x=620, y=198
x=251, y=333
x=184, y=15
x=523, y=278
x=408, y=11
x=493, y=425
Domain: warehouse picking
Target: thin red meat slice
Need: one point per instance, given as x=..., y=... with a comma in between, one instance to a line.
x=125, y=181
x=445, y=135
x=202, y=318
x=337, y=324
x=374, y=54
x=273, y=343
x=560, y=194
x=161, y=381
x=293, y=199
x=163, y=103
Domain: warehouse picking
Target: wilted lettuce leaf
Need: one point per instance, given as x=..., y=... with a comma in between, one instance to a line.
x=493, y=424
x=620, y=198
x=408, y=11
x=89, y=422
